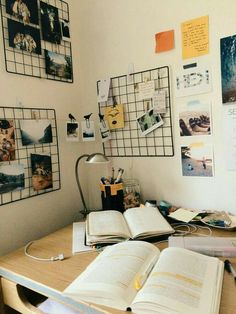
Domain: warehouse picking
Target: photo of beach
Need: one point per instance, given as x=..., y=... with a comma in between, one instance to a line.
x=197, y=160
x=195, y=119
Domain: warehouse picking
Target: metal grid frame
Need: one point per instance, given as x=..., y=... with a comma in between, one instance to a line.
x=128, y=142
x=31, y=64
x=23, y=152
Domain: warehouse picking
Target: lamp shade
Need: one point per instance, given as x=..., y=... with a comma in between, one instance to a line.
x=96, y=158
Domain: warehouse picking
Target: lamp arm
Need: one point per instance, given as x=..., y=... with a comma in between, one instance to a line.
x=78, y=182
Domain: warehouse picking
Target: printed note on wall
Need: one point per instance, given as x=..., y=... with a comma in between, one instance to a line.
x=195, y=37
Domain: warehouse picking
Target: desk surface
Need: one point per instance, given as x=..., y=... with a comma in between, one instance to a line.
x=51, y=278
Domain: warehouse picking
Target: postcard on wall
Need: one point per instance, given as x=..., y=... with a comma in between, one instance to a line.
x=228, y=69
x=197, y=159
x=229, y=136
x=195, y=118
x=51, y=28
x=115, y=116
x=41, y=167
x=192, y=81
x=58, y=64
x=35, y=131
x=72, y=131
x=24, y=10
x=159, y=101
x=12, y=178
x=88, y=130
x=146, y=90
x=149, y=121
x=103, y=89
x=104, y=130
x=195, y=37
x=164, y=41
x=24, y=37
x=7, y=140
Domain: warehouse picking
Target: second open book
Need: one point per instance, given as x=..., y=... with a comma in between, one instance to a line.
x=111, y=226
x=135, y=275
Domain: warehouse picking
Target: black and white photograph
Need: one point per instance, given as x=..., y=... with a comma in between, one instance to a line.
x=51, y=29
x=72, y=131
x=25, y=11
x=149, y=121
x=12, y=178
x=24, y=37
x=65, y=30
x=88, y=131
x=41, y=166
x=58, y=64
x=35, y=131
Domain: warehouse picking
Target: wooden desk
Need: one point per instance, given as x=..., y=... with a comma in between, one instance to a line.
x=51, y=278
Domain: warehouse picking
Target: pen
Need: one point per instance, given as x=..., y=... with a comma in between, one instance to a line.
x=229, y=268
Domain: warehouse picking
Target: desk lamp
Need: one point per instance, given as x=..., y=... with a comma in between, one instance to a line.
x=95, y=158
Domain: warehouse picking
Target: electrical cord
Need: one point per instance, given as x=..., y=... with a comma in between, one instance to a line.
x=59, y=257
x=191, y=229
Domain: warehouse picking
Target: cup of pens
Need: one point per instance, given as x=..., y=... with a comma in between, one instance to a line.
x=112, y=192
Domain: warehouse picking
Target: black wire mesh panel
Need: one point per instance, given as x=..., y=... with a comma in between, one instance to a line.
x=127, y=141
x=23, y=152
x=29, y=49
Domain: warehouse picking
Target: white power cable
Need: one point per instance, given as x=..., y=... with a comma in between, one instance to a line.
x=59, y=257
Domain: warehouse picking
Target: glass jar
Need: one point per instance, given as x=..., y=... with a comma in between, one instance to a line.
x=131, y=193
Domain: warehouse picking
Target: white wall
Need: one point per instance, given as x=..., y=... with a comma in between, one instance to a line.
x=115, y=33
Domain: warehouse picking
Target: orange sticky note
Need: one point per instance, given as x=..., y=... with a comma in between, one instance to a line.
x=164, y=41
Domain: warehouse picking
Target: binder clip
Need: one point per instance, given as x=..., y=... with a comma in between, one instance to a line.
x=87, y=117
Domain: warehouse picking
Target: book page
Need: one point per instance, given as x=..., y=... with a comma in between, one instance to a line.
x=110, y=279
x=190, y=280
x=146, y=221
x=107, y=222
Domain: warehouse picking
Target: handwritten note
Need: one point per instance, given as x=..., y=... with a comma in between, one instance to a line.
x=195, y=37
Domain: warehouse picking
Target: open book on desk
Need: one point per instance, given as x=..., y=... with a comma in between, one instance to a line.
x=135, y=275
x=111, y=226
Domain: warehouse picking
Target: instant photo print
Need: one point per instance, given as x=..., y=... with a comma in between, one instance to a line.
x=149, y=121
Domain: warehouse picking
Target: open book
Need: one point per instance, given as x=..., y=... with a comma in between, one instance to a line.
x=111, y=226
x=147, y=281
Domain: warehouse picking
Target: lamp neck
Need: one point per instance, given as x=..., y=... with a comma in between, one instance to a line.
x=78, y=182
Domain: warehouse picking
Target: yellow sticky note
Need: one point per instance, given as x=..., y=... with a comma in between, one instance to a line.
x=115, y=116
x=195, y=37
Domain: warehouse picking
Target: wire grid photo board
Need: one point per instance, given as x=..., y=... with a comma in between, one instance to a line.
x=127, y=141
x=23, y=153
x=31, y=48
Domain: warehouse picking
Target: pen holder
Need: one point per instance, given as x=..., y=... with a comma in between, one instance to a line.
x=112, y=196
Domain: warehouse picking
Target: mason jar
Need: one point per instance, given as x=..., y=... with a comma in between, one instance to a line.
x=131, y=193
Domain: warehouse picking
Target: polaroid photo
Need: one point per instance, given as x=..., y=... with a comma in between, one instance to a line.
x=88, y=131
x=51, y=28
x=35, y=131
x=149, y=121
x=104, y=131
x=65, y=30
x=25, y=11
x=24, y=37
x=41, y=167
x=72, y=131
x=7, y=140
x=12, y=178
x=58, y=64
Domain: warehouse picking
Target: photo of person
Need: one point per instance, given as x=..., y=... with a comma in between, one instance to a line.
x=12, y=178
x=195, y=119
x=51, y=29
x=58, y=64
x=41, y=166
x=7, y=140
x=149, y=121
x=24, y=10
x=197, y=160
x=24, y=37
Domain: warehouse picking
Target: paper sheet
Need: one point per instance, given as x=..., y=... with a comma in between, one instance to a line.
x=182, y=214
